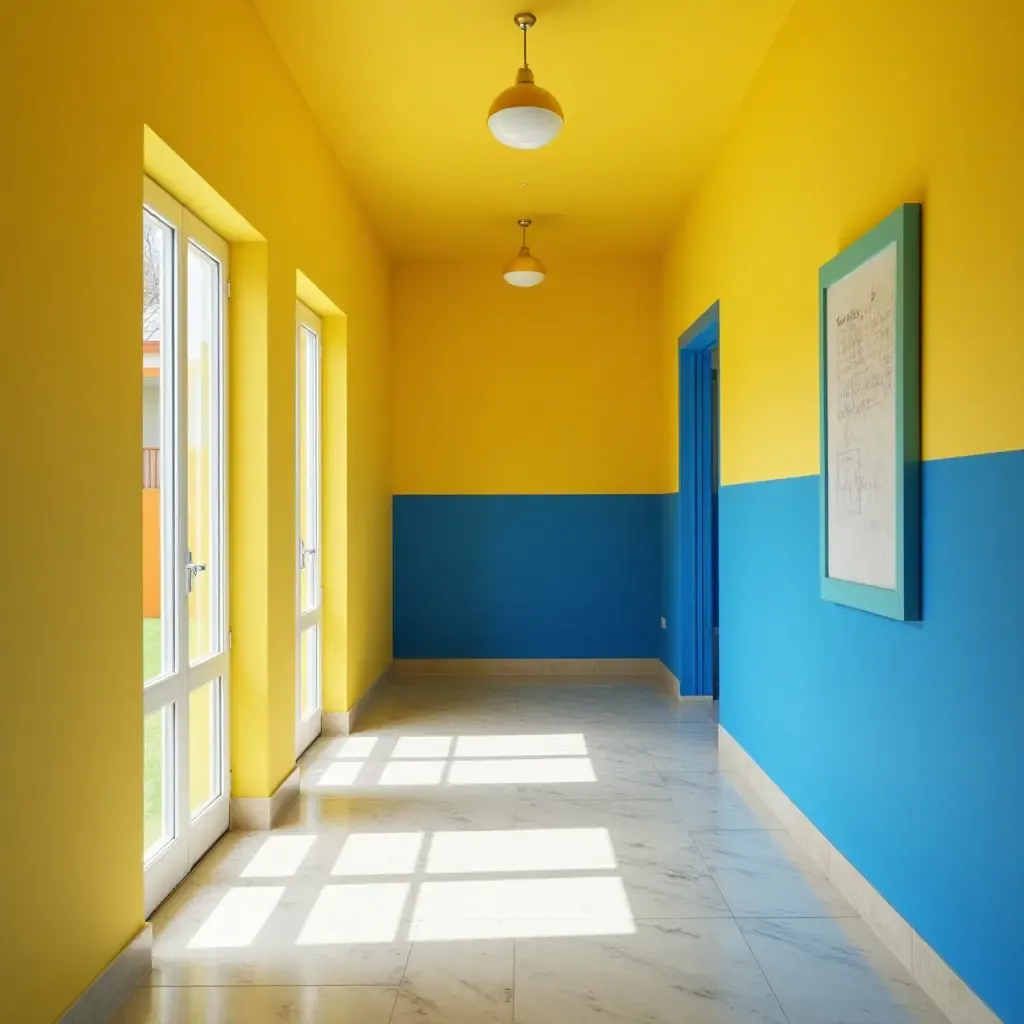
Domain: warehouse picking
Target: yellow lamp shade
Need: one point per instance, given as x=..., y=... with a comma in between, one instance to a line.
x=525, y=116
x=525, y=270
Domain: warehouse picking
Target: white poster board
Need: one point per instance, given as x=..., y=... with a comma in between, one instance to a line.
x=861, y=418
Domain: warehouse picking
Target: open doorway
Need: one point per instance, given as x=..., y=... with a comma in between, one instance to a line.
x=699, y=384
x=715, y=449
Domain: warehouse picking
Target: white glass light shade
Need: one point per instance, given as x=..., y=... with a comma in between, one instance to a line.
x=524, y=127
x=524, y=278
x=525, y=270
x=525, y=116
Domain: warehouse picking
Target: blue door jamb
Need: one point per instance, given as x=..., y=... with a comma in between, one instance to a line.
x=695, y=510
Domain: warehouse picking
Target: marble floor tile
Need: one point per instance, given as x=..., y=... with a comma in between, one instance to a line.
x=717, y=800
x=425, y=716
x=597, y=774
x=827, y=971
x=274, y=935
x=626, y=821
x=533, y=714
x=682, y=890
x=350, y=1004
x=766, y=874
x=503, y=850
x=458, y=983
x=687, y=749
x=667, y=971
x=581, y=896
x=663, y=873
x=401, y=813
x=261, y=858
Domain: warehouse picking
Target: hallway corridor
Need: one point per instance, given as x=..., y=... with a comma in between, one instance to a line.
x=494, y=850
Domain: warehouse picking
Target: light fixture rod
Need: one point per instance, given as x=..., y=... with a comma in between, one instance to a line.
x=525, y=20
x=524, y=224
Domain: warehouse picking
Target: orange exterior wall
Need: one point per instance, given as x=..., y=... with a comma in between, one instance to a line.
x=151, y=553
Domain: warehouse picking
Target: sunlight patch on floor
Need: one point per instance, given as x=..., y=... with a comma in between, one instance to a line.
x=238, y=918
x=345, y=914
x=379, y=853
x=412, y=773
x=357, y=746
x=279, y=857
x=599, y=898
x=422, y=746
x=542, y=928
x=520, y=771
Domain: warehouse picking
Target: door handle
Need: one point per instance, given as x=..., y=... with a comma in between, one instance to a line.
x=304, y=553
x=192, y=570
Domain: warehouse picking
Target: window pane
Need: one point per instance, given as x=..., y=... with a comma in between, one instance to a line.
x=157, y=433
x=158, y=779
x=305, y=540
x=309, y=671
x=204, y=743
x=204, y=317
x=309, y=467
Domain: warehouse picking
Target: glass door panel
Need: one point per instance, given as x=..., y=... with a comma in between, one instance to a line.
x=309, y=671
x=309, y=702
x=204, y=741
x=158, y=525
x=204, y=320
x=185, y=658
x=203, y=750
x=164, y=851
x=158, y=778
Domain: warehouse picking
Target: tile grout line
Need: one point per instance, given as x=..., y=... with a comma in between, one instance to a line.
x=760, y=967
x=398, y=989
x=732, y=915
x=734, y=919
x=515, y=954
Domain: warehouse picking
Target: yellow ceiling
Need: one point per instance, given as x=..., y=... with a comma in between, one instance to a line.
x=402, y=87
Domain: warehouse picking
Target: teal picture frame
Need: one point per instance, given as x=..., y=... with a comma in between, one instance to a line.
x=903, y=602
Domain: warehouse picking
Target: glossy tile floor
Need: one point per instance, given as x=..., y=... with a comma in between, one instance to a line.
x=539, y=853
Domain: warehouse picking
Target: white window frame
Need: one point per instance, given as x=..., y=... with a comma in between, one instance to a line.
x=192, y=837
x=308, y=728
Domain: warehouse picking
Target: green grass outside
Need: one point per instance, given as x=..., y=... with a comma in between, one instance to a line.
x=152, y=741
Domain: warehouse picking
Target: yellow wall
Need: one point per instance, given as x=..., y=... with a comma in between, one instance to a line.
x=206, y=79
x=861, y=106
x=548, y=390
x=70, y=630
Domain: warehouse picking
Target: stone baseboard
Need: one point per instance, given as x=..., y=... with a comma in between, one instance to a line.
x=99, y=1001
x=673, y=686
x=344, y=723
x=527, y=668
x=945, y=987
x=262, y=813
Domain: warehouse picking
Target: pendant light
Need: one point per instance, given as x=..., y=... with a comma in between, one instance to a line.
x=525, y=116
x=525, y=270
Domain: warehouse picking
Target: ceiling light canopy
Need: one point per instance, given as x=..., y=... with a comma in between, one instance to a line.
x=525, y=270
x=525, y=116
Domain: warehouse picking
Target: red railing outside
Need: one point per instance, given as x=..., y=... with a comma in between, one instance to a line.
x=150, y=468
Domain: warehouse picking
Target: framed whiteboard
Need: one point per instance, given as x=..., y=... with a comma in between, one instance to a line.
x=869, y=336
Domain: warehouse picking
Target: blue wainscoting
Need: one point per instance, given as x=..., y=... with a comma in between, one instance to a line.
x=527, y=576
x=673, y=595
x=902, y=742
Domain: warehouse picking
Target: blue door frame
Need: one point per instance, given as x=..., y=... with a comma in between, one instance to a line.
x=695, y=502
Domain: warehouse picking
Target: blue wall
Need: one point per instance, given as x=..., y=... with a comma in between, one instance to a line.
x=527, y=576
x=672, y=594
x=902, y=742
